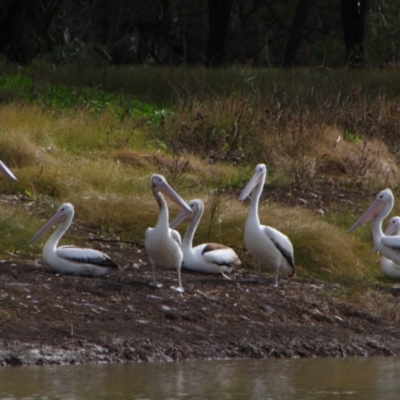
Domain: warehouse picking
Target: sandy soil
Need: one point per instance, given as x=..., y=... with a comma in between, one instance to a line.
x=51, y=319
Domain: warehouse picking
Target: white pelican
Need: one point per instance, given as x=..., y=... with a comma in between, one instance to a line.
x=211, y=258
x=163, y=245
x=70, y=259
x=6, y=172
x=388, y=246
x=267, y=245
x=388, y=267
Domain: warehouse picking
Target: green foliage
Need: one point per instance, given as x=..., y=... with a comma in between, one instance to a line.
x=352, y=137
x=61, y=97
x=15, y=87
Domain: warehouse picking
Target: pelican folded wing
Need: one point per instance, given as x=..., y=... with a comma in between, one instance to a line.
x=86, y=256
x=221, y=255
x=282, y=243
x=392, y=242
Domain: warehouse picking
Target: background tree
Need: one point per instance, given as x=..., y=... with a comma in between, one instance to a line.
x=295, y=32
x=24, y=28
x=267, y=33
x=353, y=14
x=218, y=20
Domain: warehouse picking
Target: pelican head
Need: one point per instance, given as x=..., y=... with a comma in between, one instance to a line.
x=258, y=178
x=393, y=227
x=159, y=184
x=381, y=206
x=6, y=172
x=65, y=211
x=196, y=206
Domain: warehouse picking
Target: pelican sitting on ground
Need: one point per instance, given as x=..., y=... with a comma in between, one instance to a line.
x=70, y=259
x=163, y=245
x=6, y=172
x=267, y=245
x=211, y=258
x=388, y=246
x=388, y=267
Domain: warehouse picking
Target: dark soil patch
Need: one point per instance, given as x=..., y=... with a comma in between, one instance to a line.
x=51, y=319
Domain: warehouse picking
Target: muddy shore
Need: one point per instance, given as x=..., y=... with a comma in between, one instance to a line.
x=46, y=318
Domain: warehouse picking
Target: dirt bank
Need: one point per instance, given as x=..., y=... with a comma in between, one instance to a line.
x=51, y=319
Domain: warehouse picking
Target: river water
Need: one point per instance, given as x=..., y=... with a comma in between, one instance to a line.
x=328, y=378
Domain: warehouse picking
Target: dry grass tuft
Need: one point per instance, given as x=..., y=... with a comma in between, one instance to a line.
x=134, y=158
x=375, y=299
x=16, y=227
x=321, y=250
x=25, y=133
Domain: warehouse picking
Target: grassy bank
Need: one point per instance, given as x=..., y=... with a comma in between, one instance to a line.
x=94, y=137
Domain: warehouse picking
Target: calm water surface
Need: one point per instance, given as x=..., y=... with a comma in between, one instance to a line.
x=352, y=378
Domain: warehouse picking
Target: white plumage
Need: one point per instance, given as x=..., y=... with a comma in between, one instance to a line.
x=388, y=246
x=389, y=268
x=267, y=245
x=70, y=259
x=210, y=258
x=163, y=245
x=6, y=171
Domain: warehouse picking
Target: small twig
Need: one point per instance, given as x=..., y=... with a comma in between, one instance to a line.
x=206, y=296
x=84, y=337
x=114, y=241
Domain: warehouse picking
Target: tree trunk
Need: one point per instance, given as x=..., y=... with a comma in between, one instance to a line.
x=295, y=32
x=353, y=14
x=219, y=12
x=166, y=21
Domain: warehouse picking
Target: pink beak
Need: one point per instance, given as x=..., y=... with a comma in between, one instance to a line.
x=255, y=180
x=57, y=217
x=369, y=215
x=168, y=191
x=180, y=218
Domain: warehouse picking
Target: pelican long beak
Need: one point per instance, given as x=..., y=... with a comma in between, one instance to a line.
x=57, y=217
x=6, y=171
x=253, y=182
x=179, y=219
x=369, y=215
x=391, y=230
x=168, y=191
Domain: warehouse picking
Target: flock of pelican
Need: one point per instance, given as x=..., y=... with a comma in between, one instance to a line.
x=165, y=248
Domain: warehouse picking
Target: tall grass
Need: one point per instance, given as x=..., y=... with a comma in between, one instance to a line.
x=94, y=137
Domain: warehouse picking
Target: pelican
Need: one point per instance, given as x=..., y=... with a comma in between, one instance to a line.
x=70, y=259
x=388, y=246
x=6, y=172
x=267, y=245
x=211, y=258
x=388, y=267
x=163, y=245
